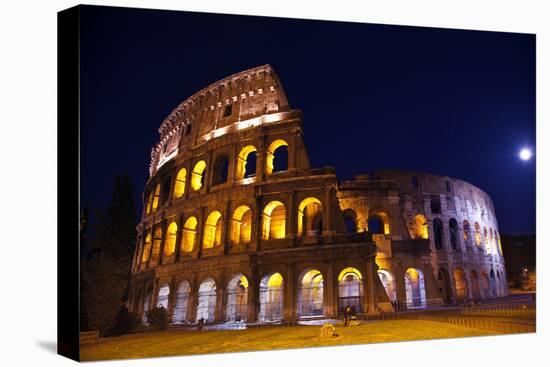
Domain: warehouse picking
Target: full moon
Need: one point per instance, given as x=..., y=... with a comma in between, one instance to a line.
x=525, y=154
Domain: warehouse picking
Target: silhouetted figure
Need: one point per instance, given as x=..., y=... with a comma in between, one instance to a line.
x=200, y=324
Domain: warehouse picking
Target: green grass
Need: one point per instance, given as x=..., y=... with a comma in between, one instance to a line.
x=170, y=343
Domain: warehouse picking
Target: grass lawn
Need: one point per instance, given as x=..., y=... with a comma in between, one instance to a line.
x=170, y=343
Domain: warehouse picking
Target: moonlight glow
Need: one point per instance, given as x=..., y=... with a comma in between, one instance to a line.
x=525, y=154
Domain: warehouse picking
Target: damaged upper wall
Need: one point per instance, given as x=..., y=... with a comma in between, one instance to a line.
x=240, y=101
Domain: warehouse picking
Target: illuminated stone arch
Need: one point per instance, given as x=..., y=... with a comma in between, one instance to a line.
x=149, y=203
x=272, y=153
x=310, y=217
x=237, y=299
x=274, y=220
x=157, y=238
x=212, y=230
x=477, y=230
x=163, y=295
x=171, y=238
x=379, y=223
x=146, y=248
x=156, y=198
x=206, y=300
x=350, y=290
x=420, y=230
x=189, y=235
x=438, y=233
x=475, y=284
x=271, y=298
x=415, y=288
x=310, y=293
x=241, y=225
x=350, y=219
x=388, y=281
x=246, y=163
x=461, y=285
x=147, y=300
x=179, y=184
x=181, y=303
x=220, y=169
x=466, y=233
x=486, y=241
x=453, y=234
x=197, y=176
x=485, y=284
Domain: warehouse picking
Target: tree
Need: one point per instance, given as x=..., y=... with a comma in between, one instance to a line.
x=108, y=266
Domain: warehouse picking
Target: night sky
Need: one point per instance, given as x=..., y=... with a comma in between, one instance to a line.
x=449, y=102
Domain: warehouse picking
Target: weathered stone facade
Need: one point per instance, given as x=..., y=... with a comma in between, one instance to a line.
x=238, y=227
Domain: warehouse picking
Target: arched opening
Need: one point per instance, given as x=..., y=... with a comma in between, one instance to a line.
x=179, y=185
x=163, y=295
x=461, y=286
x=435, y=205
x=438, y=233
x=414, y=288
x=453, y=234
x=492, y=245
x=444, y=281
x=475, y=284
x=189, y=234
x=157, y=238
x=237, y=299
x=493, y=283
x=149, y=204
x=212, y=230
x=477, y=229
x=277, y=157
x=273, y=221
x=179, y=314
x=197, y=176
x=310, y=217
x=310, y=294
x=220, y=169
x=147, y=303
x=171, y=237
x=388, y=281
x=206, y=307
x=166, y=189
x=350, y=219
x=485, y=285
x=246, y=163
x=350, y=290
x=466, y=233
x=271, y=298
x=486, y=241
x=156, y=198
x=241, y=225
x=146, y=248
x=499, y=243
x=379, y=223
x=420, y=227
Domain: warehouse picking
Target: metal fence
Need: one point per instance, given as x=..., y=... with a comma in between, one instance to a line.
x=501, y=310
x=483, y=324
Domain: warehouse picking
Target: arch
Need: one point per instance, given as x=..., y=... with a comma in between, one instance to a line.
x=485, y=284
x=179, y=184
x=310, y=217
x=206, y=305
x=475, y=284
x=157, y=238
x=189, y=234
x=241, y=225
x=310, y=293
x=156, y=198
x=388, y=281
x=486, y=241
x=220, y=169
x=379, y=223
x=415, y=288
x=246, y=163
x=438, y=233
x=147, y=303
x=146, y=248
x=166, y=189
x=497, y=236
x=453, y=234
x=444, y=281
x=271, y=298
x=461, y=286
x=212, y=230
x=179, y=313
x=163, y=295
x=149, y=203
x=420, y=227
x=274, y=220
x=350, y=219
x=350, y=290
x=171, y=238
x=466, y=233
x=492, y=283
x=237, y=299
x=477, y=229
x=273, y=154
x=492, y=244
x=435, y=205
x=197, y=176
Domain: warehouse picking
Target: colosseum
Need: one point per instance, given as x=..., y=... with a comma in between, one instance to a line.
x=237, y=227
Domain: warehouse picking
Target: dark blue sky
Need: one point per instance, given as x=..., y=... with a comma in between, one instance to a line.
x=452, y=102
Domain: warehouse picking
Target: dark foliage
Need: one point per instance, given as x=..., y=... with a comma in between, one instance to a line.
x=157, y=318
